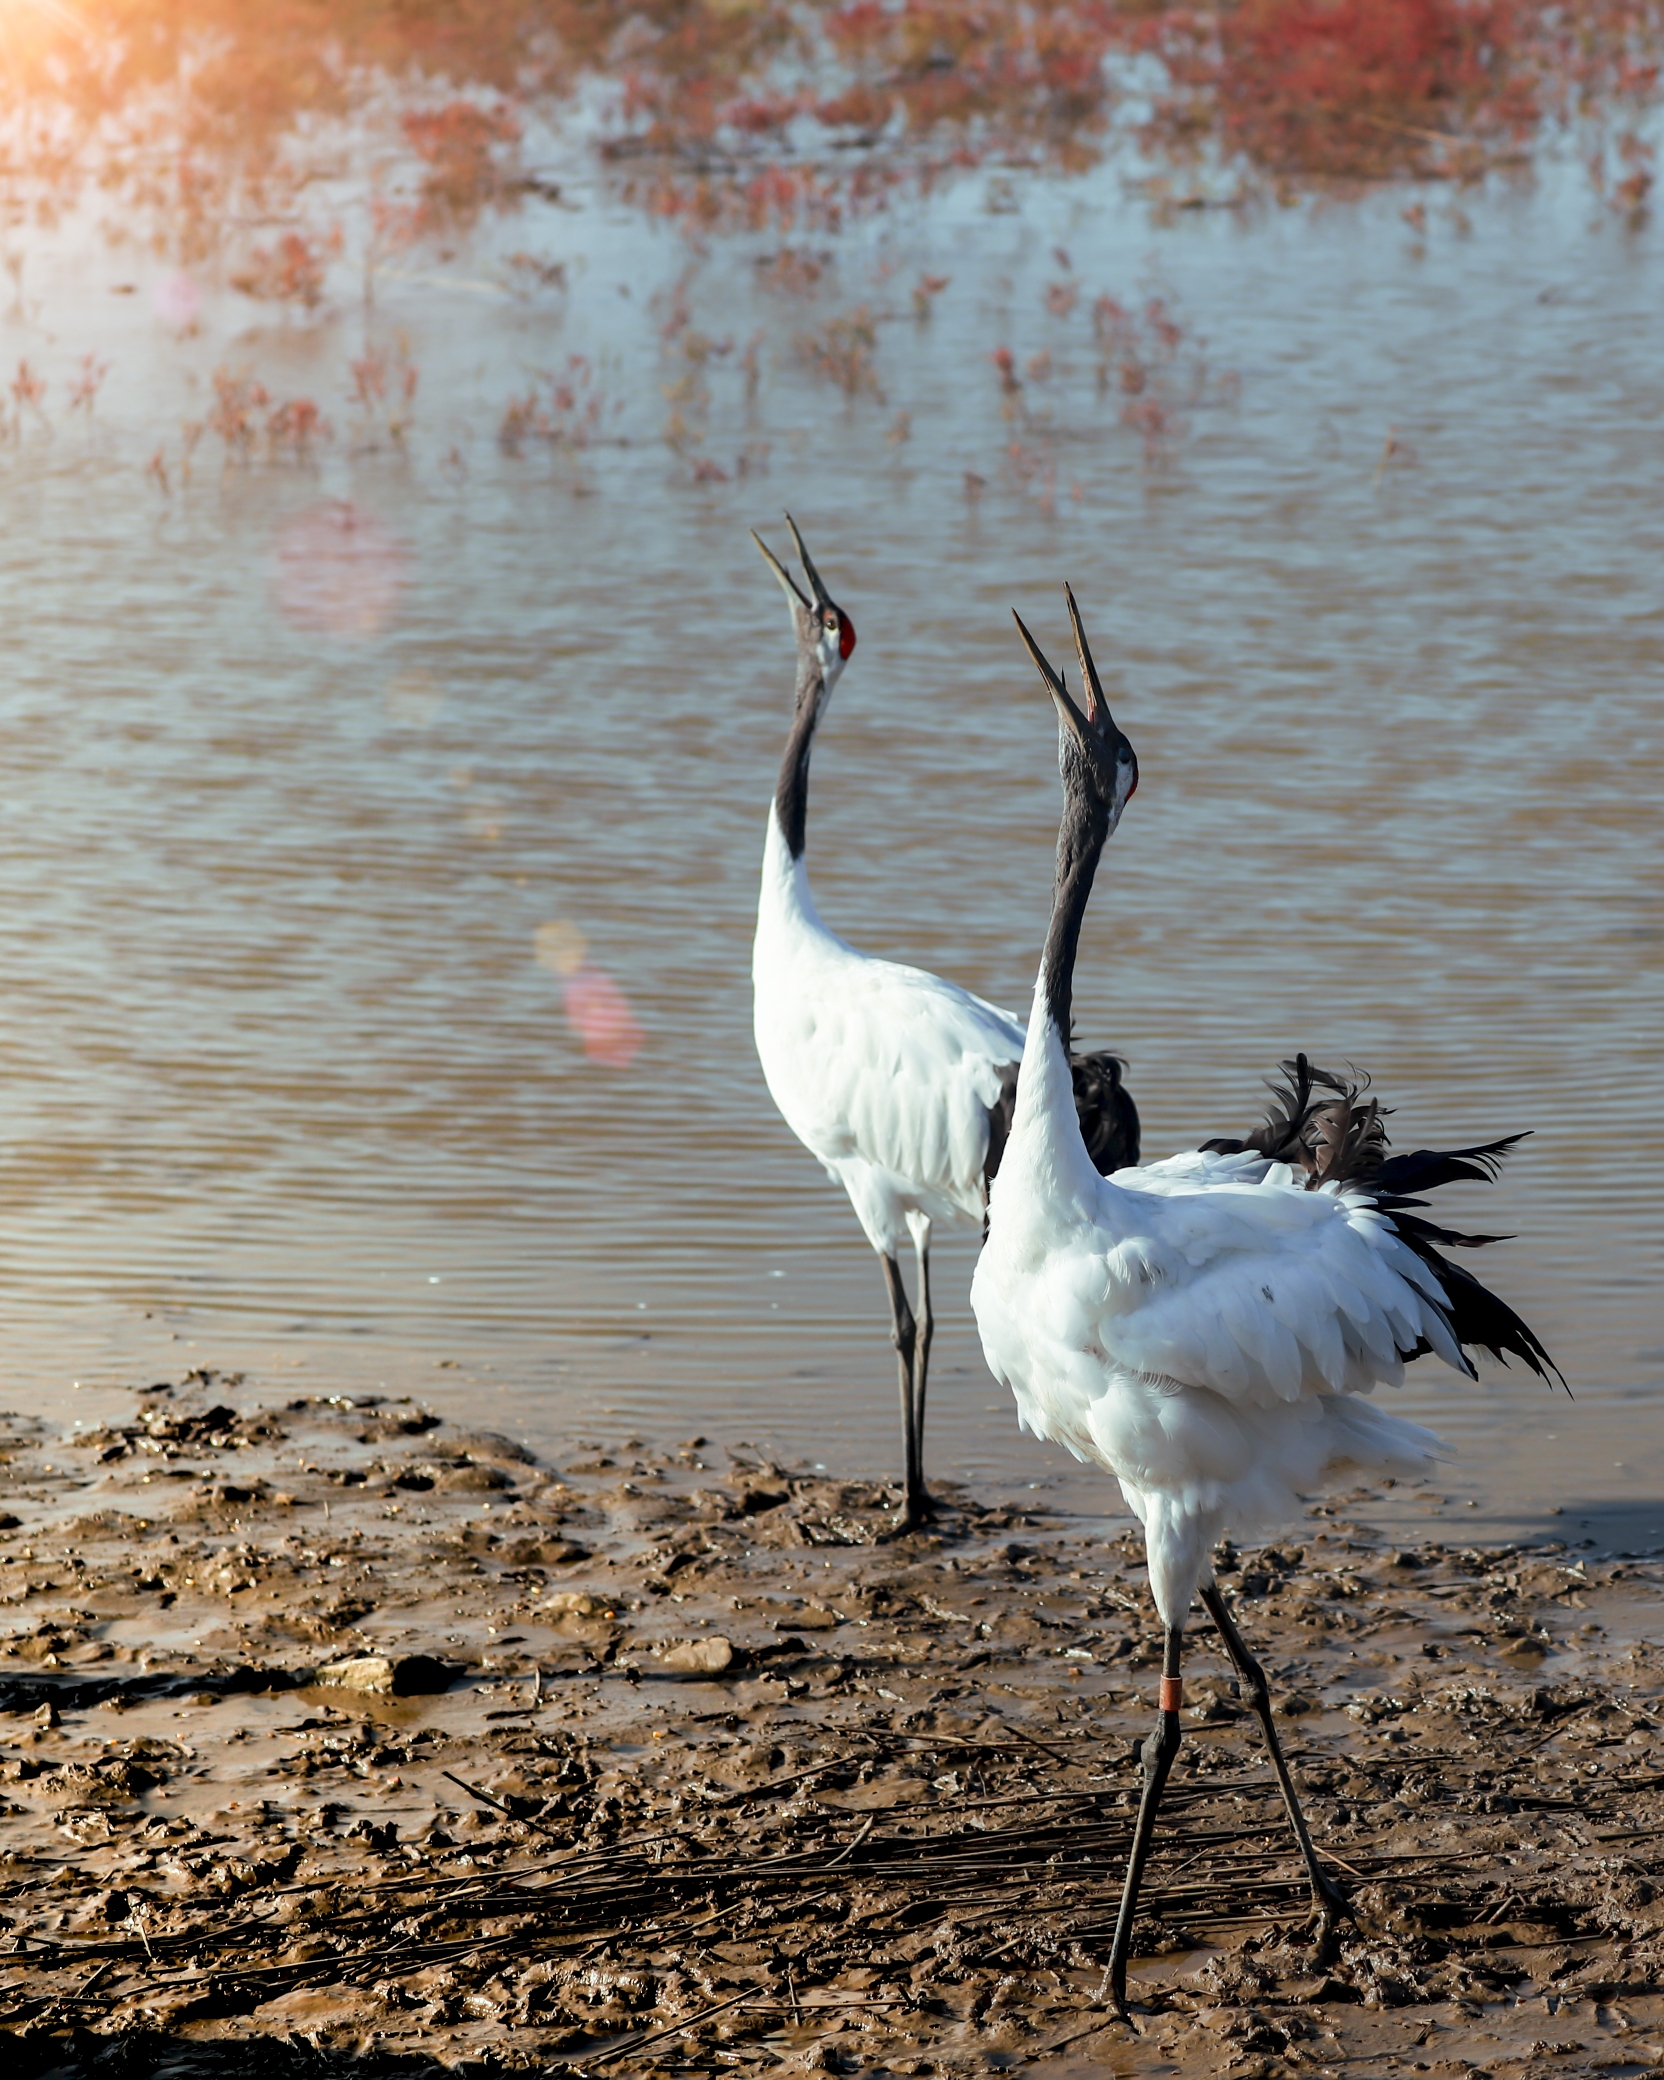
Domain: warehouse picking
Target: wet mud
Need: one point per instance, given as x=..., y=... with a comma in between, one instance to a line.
x=334, y=1738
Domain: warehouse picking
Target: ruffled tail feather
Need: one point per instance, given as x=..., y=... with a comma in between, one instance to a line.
x=1322, y=1125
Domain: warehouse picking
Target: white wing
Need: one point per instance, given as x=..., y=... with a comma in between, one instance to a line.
x=1215, y=1272
x=1261, y=1290
x=889, y=1066
x=884, y=1072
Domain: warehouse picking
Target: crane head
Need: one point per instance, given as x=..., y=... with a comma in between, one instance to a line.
x=823, y=628
x=1094, y=754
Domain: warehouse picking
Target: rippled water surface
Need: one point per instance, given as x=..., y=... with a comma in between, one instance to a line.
x=376, y=994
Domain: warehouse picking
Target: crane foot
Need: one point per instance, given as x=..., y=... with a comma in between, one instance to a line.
x=1114, y=1998
x=917, y=1510
x=1330, y=1910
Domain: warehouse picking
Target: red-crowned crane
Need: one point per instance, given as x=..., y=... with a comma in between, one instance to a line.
x=900, y=1083
x=1206, y=1328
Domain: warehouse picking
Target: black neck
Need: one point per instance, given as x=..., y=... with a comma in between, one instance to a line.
x=1080, y=841
x=791, y=793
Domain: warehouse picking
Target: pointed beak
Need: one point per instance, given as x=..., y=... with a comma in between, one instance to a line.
x=823, y=598
x=788, y=584
x=1097, y=708
x=1068, y=714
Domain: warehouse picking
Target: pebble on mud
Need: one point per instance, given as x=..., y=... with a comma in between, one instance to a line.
x=410, y=1675
x=698, y=1657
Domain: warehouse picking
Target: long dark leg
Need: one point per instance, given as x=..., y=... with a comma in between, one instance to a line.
x=1157, y=1755
x=904, y=1335
x=921, y=1366
x=1328, y=1901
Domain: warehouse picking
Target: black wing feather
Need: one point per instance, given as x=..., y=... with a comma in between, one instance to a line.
x=1109, y=1123
x=1477, y=1315
x=1319, y=1122
x=1425, y=1169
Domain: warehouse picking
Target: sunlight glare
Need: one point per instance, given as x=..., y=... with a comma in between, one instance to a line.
x=18, y=17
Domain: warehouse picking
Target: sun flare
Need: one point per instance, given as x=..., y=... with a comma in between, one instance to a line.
x=30, y=27
x=16, y=12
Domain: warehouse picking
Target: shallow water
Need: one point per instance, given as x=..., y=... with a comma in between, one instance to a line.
x=291, y=1080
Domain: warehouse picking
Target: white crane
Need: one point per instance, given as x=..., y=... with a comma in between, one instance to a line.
x=1205, y=1328
x=900, y=1083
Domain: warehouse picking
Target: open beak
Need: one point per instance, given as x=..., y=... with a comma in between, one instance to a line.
x=1097, y=708
x=788, y=584
x=823, y=598
x=1068, y=714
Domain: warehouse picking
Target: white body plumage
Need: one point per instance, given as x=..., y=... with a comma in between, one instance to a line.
x=885, y=1073
x=1203, y=1327
x=1207, y=1328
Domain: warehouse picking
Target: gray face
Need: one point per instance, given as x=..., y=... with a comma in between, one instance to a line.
x=1097, y=762
x=1094, y=754
x=1116, y=771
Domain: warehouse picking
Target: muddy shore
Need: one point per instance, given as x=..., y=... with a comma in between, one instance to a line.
x=334, y=1738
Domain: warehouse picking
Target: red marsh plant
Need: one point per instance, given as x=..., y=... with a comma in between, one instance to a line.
x=294, y=427
x=240, y=402
x=1008, y=78
x=467, y=153
x=384, y=385
x=792, y=270
x=1345, y=87
x=561, y=408
x=250, y=422
x=28, y=394
x=1161, y=374
x=531, y=274
x=843, y=350
x=1367, y=89
x=86, y=383
x=925, y=292
x=291, y=271
x=1143, y=356
x=757, y=113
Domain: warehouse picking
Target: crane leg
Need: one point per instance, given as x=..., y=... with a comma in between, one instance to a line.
x=921, y=1365
x=1329, y=1903
x=1156, y=1755
x=904, y=1335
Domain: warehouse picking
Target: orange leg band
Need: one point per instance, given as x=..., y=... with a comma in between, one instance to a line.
x=1172, y=1693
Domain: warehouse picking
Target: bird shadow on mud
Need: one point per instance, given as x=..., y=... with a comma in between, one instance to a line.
x=1620, y=1529
x=142, y=2054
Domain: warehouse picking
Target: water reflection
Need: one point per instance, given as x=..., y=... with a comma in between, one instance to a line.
x=339, y=571
x=413, y=699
